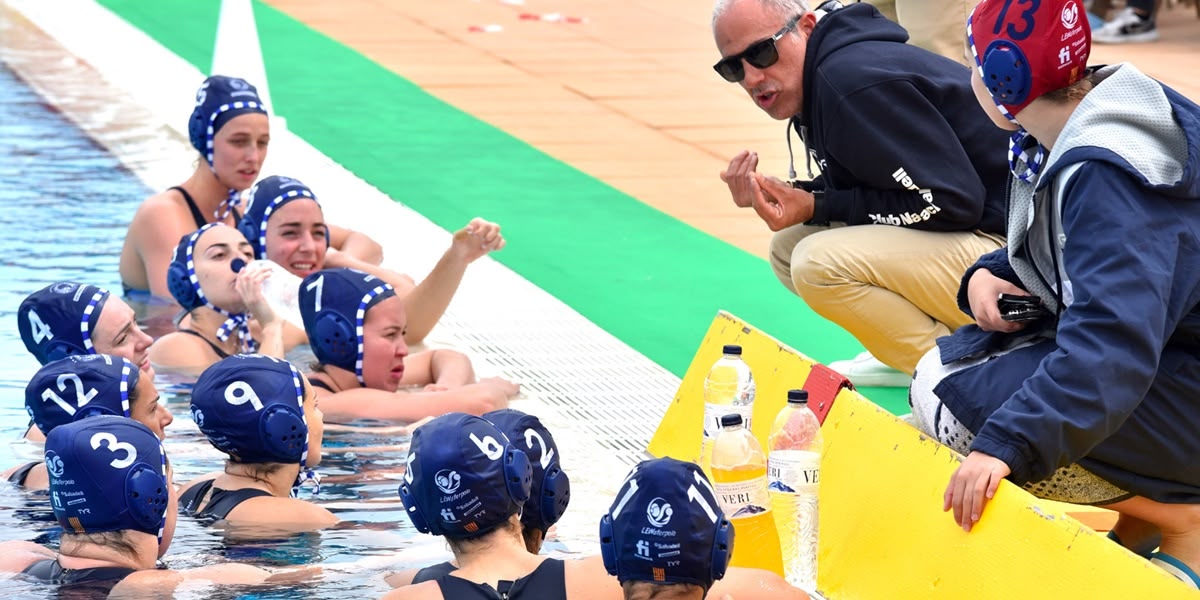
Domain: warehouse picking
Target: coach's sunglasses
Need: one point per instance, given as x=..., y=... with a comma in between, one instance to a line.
x=760, y=55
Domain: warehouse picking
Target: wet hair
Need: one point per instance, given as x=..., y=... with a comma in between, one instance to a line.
x=534, y=538
x=115, y=540
x=784, y=8
x=259, y=471
x=1076, y=91
x=463, y=545
x=647, y=590
x=134, y=395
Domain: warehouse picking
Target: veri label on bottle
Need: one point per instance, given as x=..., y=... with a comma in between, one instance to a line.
x=714, y=412
x=743, y=498
x=793, y=471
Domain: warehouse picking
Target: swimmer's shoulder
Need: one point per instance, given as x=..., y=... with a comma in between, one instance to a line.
x=17, y=555
x=179, y=352
x=287, y=513
x=168, y=203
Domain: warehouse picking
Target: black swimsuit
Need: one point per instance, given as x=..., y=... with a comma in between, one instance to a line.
x=20, y=475
x=196, y=214
x=321, y=384
x=220, y=504
x=90, y=583
x=547, y=582
x=433, y=572
x=220, y=353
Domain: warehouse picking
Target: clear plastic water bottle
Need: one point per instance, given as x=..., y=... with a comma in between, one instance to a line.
x=728, y=389
x=282, y=291
x=739, y=470
x=794, y=471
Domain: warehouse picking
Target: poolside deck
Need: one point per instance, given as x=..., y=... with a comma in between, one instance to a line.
x=627, y=96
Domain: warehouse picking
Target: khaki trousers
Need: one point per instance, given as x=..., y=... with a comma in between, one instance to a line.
x=936, y=25
x=892, y=288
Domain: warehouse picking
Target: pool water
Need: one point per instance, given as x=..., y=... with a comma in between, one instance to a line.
x=65, y=204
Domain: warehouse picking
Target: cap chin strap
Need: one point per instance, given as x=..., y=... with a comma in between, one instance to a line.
x=307, y=478
x=236, y=322
x=1025, y=156
x=227, y=205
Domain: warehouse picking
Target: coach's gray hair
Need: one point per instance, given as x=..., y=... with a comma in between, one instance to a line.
x=782, y=7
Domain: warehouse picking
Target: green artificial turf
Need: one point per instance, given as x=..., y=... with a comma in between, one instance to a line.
x=645, y=277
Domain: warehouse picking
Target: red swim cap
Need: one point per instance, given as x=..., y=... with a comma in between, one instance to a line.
x=1026, y=48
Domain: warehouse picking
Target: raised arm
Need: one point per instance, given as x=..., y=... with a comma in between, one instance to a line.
x=428, y=301
x=355, y=244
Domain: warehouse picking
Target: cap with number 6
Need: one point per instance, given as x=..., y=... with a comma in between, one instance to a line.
x=251, y=407
x=463, y=478
x=79, y=386
x=107, y=474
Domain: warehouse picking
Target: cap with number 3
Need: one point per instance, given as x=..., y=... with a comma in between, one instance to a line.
x=107, y=474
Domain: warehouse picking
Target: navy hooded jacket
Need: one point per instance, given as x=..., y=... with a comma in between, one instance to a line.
x=1116, y=386
x=897, y=131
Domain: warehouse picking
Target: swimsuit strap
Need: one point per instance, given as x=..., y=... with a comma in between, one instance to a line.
x=191, y=203
x=221, y=353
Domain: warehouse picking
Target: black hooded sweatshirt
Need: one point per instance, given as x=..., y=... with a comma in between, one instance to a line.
x=897, y=131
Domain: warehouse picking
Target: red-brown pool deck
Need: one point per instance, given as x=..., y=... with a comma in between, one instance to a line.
x=627, y=96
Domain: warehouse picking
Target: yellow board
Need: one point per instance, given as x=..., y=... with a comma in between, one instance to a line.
x=776, y=368
x=883, y=533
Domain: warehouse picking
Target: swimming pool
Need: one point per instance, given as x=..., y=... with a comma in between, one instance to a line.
x=66, y=202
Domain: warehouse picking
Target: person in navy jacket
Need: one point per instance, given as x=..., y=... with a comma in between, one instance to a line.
x=1094, y=401
x=908, y=161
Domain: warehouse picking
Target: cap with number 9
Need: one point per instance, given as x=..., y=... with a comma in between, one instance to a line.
x=251, y=407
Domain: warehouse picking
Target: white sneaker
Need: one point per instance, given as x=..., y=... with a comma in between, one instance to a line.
x=1126, y=27
x=865, y=370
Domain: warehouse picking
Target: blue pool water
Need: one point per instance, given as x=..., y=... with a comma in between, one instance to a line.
x=64, y=205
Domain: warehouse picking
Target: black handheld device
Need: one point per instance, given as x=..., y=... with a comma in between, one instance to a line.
x=1020, y=309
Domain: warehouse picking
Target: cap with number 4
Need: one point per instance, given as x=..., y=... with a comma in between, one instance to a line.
x=79, y=386
x=57, y=321
x=251, y=407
